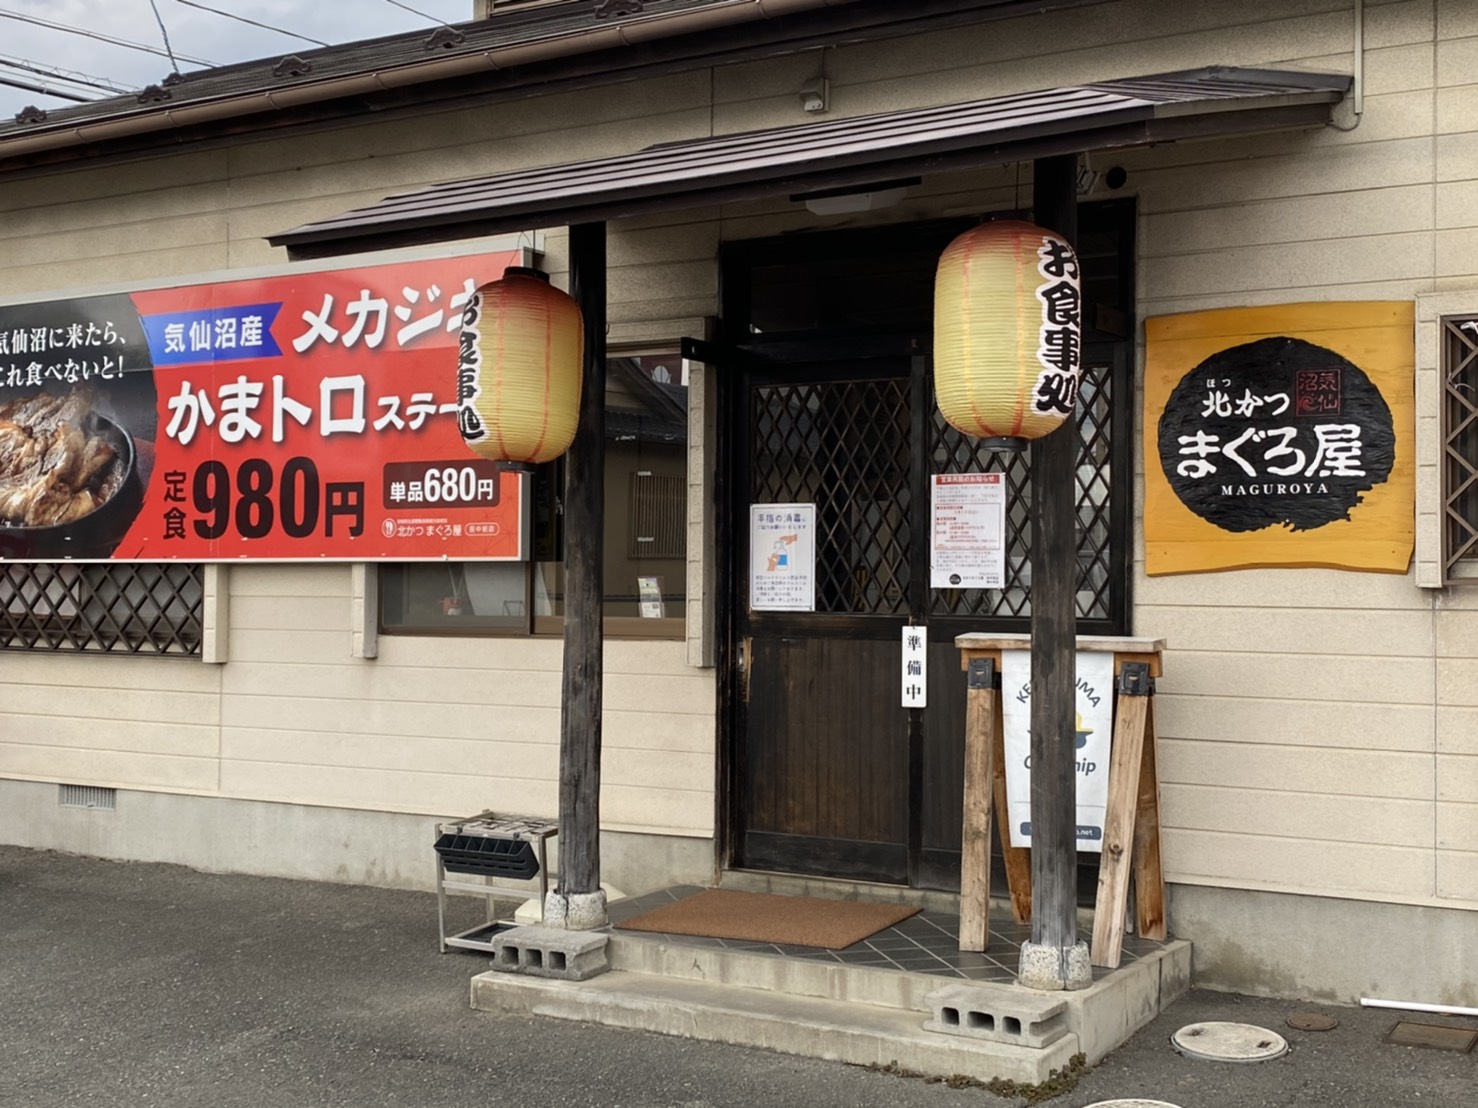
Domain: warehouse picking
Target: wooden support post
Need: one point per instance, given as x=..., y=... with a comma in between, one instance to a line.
x=1149, y=877
x=1051, y=961
x=584, y=504
x=1017, y=860
x=982, y=738
x=1125, y=764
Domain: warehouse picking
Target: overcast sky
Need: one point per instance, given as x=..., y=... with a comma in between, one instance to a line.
x=192, y=32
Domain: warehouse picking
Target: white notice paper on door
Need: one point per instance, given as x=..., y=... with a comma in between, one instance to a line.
x=967, y=548
x=782, y=557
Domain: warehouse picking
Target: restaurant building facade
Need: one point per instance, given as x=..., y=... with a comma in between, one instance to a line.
x=1304, y=172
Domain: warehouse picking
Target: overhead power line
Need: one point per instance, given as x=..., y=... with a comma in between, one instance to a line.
x=29, y=86
x=418, y=11
x=71, y=77
x=164, y=34
x=253, y=22
x=5, y=13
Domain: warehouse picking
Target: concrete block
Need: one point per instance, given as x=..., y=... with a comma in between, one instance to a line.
x=532, y=910
x=1053, y=968
x=575, y=911
x=999, y=1015
x=551, y=952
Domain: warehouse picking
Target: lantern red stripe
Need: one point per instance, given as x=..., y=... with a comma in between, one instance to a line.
x=965, y=310
x=498, y=374
x=1018, y=410
x=548, y=382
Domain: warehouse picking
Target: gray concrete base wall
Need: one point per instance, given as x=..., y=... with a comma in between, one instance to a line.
x=383, y=849
x=1265, y=944
x=1321, y=948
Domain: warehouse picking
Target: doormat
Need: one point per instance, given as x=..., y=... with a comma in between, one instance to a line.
x=764, y=918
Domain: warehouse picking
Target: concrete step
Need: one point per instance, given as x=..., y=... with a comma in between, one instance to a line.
x=1155, y=979
x=794, y=976
x=816, y=1027
x=1102, y=1016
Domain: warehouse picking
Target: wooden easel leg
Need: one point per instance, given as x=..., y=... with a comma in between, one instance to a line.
x=1149, y=878
x=1125, y=761
x=981, y=740
x=1017, y=859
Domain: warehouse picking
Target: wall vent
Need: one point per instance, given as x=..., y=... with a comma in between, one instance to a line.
x=87, y=796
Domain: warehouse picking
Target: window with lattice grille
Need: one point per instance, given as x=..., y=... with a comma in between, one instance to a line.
x=1459, y=465
x=1101, y=539
x=657, y=516
x=844, y=446
x=128, y=608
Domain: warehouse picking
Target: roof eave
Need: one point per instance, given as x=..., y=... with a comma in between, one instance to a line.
x=1141, y=125
x=617, y=44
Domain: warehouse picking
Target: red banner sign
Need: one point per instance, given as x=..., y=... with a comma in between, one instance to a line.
x=302, y=417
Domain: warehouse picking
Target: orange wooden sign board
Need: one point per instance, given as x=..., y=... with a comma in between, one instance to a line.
x=1280, y=436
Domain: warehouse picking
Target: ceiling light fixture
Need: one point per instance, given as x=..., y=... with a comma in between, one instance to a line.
x=857, y=198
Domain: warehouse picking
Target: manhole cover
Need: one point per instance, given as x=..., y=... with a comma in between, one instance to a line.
x=1434, y=1035
x=1312, y=1021
x=1133, y=1104
x=1229, y=1042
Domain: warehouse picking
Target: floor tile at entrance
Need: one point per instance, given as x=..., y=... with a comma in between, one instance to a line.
x=924, y=943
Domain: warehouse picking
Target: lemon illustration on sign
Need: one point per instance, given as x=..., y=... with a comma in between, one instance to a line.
x=1081, y=733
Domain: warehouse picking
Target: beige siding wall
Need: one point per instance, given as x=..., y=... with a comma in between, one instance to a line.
x=447, y=725
x=1318, y=728
x=126, y=722
x=438, y=726
x=1309, y=737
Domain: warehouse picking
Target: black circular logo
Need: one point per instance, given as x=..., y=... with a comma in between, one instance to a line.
x=1278, y=431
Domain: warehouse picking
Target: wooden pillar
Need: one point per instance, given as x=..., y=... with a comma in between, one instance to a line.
x=584, y=506
x=1054, y=564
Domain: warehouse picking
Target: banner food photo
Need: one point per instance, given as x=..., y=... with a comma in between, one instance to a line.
x=306, y=416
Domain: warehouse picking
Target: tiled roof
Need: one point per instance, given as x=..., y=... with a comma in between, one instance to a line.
x=302, y=68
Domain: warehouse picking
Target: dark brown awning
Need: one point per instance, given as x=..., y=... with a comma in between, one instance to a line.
x=836, y=154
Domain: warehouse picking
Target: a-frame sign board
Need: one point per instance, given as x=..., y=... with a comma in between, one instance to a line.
x=1131, y=846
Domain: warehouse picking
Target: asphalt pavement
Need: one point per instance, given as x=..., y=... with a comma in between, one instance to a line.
x=132, y=984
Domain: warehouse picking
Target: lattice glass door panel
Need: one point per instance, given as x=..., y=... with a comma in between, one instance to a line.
x=952, y=452
x=843, y=446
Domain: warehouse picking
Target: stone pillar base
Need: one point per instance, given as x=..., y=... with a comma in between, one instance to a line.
x=1053, y=968
x=577, y=911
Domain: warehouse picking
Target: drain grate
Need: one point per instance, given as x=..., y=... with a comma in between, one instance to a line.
x=87, y=796
x=1435, y=1036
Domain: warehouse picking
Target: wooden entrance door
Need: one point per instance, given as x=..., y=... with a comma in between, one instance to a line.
x=827, y=400
x=825, y=776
